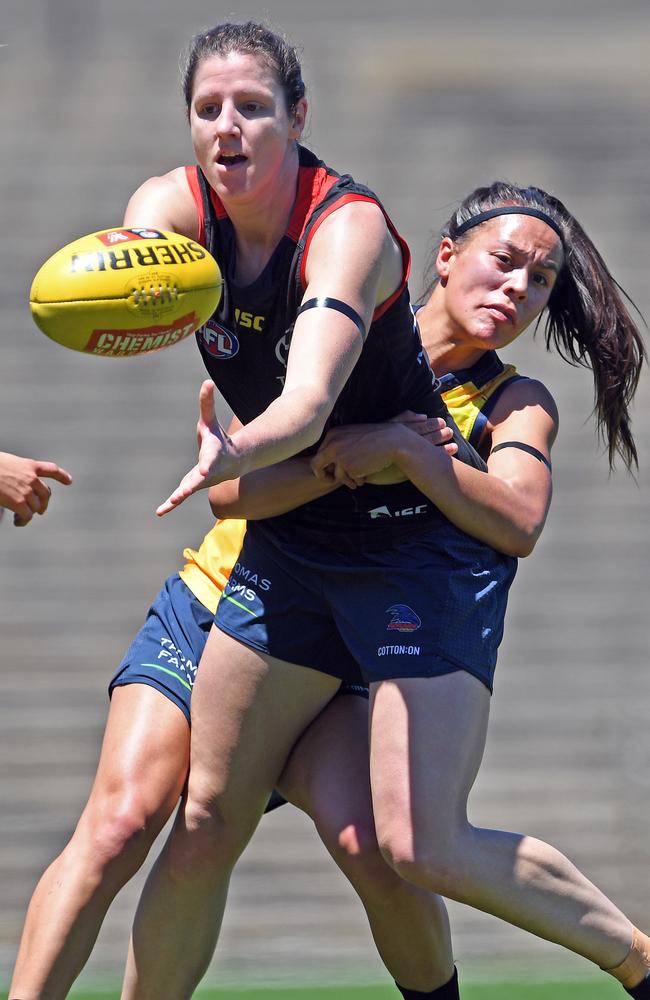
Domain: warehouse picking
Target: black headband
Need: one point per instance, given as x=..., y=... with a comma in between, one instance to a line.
x=493, y=213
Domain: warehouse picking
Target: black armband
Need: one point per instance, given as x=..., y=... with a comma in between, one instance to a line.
x=342, y=307
x=528, y=448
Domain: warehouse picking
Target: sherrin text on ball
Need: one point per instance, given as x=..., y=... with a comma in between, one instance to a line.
x=121, y=292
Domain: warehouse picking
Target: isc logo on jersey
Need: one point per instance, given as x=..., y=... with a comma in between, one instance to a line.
x=219, y=342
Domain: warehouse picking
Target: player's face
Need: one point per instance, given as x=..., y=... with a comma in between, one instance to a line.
x=242, y=133
x=499, y=280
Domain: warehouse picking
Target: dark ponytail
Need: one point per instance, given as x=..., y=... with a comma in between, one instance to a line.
x=587, y=319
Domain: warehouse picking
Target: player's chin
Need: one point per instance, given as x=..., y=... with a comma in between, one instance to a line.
x=490, y=334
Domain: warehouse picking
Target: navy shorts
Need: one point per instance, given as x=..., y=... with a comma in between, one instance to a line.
x=432, y=603
x=166, y=651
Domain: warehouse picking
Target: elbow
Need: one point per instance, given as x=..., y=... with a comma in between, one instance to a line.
x=522, y=547
x=224, y=504
x=524, y=540
x=312, y=408
x=525, y=522
x=315, y=426
x=219, y=512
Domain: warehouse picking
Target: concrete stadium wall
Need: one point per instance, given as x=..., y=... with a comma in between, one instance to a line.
x=423, y=101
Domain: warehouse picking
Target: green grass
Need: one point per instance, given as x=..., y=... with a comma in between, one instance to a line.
x=508, y=990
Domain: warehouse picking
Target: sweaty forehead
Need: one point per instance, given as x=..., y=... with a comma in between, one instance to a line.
x=235, y=69
x=525, y=233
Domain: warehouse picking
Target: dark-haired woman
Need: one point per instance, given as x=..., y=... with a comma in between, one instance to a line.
x=284, y=223
x=380, y=576
x=433, y=668
x=315, y=328
x=506, y=255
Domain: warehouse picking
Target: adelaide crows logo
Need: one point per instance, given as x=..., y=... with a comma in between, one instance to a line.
x=403, y=619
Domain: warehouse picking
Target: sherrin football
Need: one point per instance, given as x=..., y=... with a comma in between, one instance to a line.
x=121, y=292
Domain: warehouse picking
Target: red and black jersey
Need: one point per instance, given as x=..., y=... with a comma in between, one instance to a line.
x=246, y=343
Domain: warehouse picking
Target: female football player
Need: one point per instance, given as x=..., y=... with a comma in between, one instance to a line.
x=511, y=504
x=385, y=576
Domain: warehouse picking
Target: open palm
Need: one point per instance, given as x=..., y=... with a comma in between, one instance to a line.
x=215, y=448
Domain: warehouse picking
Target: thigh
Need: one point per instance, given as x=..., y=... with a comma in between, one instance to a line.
x=427, y=737
x=144, y=757
x=248, y=710
x=327, y=774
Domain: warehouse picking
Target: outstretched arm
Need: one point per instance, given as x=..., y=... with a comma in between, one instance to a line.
x=292, y=483
x=269, y=492
x=354, y=259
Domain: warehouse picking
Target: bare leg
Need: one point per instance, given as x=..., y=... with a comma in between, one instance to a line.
x=427, y=740
x=247, y=712
x=141, y=773
x=327, y=777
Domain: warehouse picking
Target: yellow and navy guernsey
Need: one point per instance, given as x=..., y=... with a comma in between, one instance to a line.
x=470, y=395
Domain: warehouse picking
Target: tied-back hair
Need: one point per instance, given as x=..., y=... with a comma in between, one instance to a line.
x=587, y=319
x=249, y=37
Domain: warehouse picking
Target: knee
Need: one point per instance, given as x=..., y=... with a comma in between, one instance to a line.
x=356, y=844
x=353, y=845
x=205, y=840
x=120, y=830
x=436, y=865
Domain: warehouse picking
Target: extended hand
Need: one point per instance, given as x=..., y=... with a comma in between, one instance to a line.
x=216, y=454
x=21, y=487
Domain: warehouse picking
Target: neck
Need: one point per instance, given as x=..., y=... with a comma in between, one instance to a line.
x=444, y=343
x=260, y=221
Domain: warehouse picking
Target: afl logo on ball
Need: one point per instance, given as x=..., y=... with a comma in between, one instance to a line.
x=219, y=342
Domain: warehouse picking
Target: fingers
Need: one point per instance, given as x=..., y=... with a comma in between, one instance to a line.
x=207, y=414
x=334, y=472
x=41, y=494
x=173, y=501
x=169, y=504
x=322, y=465
x=51, y=471
x=339, y=475
x=408, y=417
x=432, y=426
x=179, y=495
x=190, y=483
x=35, y=502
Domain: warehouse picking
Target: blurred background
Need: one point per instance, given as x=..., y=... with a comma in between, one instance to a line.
x=422, y=100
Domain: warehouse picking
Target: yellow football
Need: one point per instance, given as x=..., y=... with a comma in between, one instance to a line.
x=122, y=292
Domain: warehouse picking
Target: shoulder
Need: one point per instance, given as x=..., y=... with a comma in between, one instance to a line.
x=356, y=217
x=165, y=202
x=357, y=233
x=521, y=394
x=526, y=407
